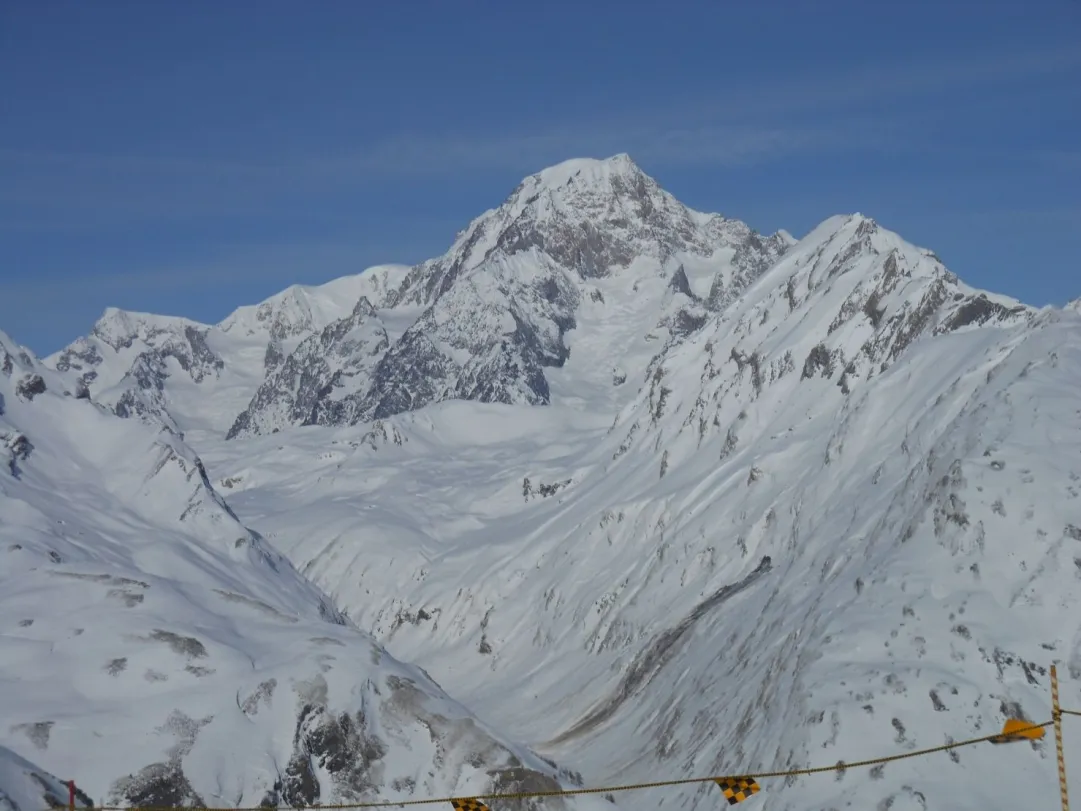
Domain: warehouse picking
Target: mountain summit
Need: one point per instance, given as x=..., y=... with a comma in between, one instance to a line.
x=587, y=248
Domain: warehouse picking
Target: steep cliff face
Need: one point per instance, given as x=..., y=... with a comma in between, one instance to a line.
x=315, y=382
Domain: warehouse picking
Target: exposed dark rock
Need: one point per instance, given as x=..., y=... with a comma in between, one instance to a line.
x=19, y=449
x=159, y=785
x=686, y=321
x=340, y=745
x=818, y=361
x=30, y=387
x=978, y=310
x=681, y=284
x=521, y=780
x=80, y=355
x=186, y=646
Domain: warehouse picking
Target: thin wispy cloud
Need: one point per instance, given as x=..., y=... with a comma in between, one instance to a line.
x=276, y=264
x=746, y=124
x=720, y=145
x=108, y=192
x=1060, y=159
x=918, y=77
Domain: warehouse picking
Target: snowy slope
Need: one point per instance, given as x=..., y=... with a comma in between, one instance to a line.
x=839, y=519
x=159, y=653
x=299, y=310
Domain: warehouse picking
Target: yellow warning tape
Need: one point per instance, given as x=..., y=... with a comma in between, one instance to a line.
x=520, y=795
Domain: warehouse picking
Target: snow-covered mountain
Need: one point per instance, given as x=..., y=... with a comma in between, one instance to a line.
x=582, y=251
x=500, y=303
x=198, y=376
x=786, y=503
x=160, y=653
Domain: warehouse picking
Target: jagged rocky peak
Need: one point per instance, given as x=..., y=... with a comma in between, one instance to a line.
x=597, y=216
x=319, y=381
x=882, y=291
x=593, y=217
x=134, y=335
x=587, y=187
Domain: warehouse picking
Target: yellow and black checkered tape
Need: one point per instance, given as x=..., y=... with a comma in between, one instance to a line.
x=737, y=789
x=468, y=804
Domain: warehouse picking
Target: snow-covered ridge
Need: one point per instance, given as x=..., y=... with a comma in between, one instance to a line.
x=164, y=369
x=302, y=309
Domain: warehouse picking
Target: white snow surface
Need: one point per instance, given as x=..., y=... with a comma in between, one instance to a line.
x=835, y=514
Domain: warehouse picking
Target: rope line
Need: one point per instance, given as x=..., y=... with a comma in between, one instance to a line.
x=520, y=795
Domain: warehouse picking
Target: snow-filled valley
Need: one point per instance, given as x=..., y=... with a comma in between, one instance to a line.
x=613, y=491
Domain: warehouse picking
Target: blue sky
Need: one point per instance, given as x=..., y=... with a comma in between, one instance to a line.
x=190, y=157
